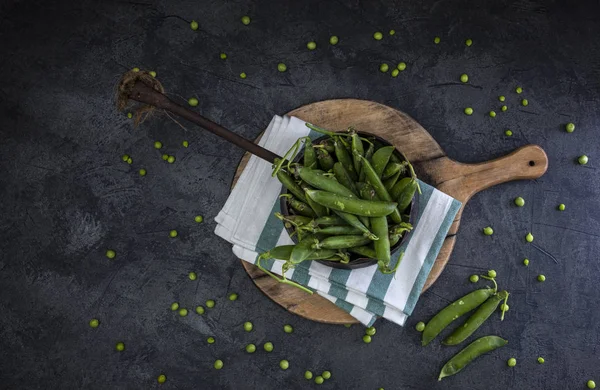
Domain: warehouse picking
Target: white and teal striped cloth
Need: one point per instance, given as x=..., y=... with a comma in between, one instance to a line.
x=247, y=221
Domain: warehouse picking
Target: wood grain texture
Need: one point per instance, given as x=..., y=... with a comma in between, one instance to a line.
x=456, y=179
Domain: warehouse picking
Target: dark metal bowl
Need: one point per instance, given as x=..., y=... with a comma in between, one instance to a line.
x=355, y=260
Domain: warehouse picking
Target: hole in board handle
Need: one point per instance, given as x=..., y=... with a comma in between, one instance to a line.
x=531, y=163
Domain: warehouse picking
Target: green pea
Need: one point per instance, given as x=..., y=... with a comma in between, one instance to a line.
x=504, y=108
x=94, y=323
x=468, y=42
x=158, y=145
x=268, y=346
x=250, y=348
x=492, y=273
x=395, y=72
x=218, y=364
x=183, y=312
x=185, y=144
x=493, y=114
x=284, y=364
x=200, y=310
x=288, y=328
x=583, y=159
x=519, y=90
x=173, y=233
x=194, y=25
x=474, y=278
x=520, y=202
x=165, y=157
x=540, y=360
x=245, y=20
x=529, y=237
x=384, y=67
x=524, y=102
x=223, y=56
x=192, y=276
x=142, y=172
x=469, y=111
x=570, y=127
x=129, y=115
x=370, y=331
x=367, y=339
x=525, y=262
x=120, y=347
x=174, y=306
x=111, y=254
x=504, y=307
x=591, y=384
x=248, y=326
x=171, y=159
x=541, y=278
x=501, y=98
x=378, y=36
x=233, y=296
x=464, y=77
x=420, y=326
x=152, y=73
x=561, y=207
x=312, y=45
x=193, y=102
x=211, y=303
x=129, y=161
x=488, y=231
x=161, y=378
x=401, y=66
x=136, y=69
x=326, y=374
x=512, y=362
x=333, y=40
x=436, y=40
x=210, y=340
x=319, y=380
x=392, y=32
x=281, y=67
x=508, y=133
x=308, y=375
x=243, y=75
x=198, y=218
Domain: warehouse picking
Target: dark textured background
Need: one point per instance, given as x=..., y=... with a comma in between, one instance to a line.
x=66, y=196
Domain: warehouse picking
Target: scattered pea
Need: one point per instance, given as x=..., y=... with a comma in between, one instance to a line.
x=583, y=159
x=591, y=384
x=541, y=278
x=243, y=75
x=508, y=133
x=194, y=25
x=395, y=72
x=173, y=233
x=392, y=32
x=136, y=69
x=420, y=326
x=129, y=115
x=233, y=296
x=250, y=348
x=165, y=157
x=319, y=380
x=378, y=36
x=142, y=172
x=474, y=278
x=384, y=67
x=281, y=67
x=488, y=231
x=218, y=364
x=370, y=331
x=198, y=219
x=284, y=364
x=223, y=56
x=210, y=340
x=211, y=303
x=570, y=127
x=524, y=102
x=111, y=254
x=174, y=306
x=120, y=347
x=129, y=161
x=288, y=328
x=152, y=73
x=469, y=111
x=529, y=237
x=193, y=102
x=561, y=207
x=326, y=374
x=525, y=262
x=493, y=114
x=519, y=90
x=245, y=20
x=501, y=98
x=192, y=276
x=248, y=326
x=367, y=339
x=520, y=202
x=161, y=378
x=94, y=323
x=436, y=40
x=308, y=375
x=512, y=362
x=464, y=77
x=492, y=273
x=401, y=66
x=333, y=40
x=468, y=42
x=268, y=346
x=540, y=360
x=185, y=144
x=312, y=45
x=504, y=307
x=183, y=312
x=158, y=145
x=504, y=108
x=200, y=310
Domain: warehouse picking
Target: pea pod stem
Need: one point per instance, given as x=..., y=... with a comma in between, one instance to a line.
x=504, y=307
x=283, y=279
x=323, y=131
x=493, y=280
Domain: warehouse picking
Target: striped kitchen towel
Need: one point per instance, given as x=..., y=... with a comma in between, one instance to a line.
x=247, y=221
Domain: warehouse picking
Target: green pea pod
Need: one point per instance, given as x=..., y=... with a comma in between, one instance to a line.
x=406, y=195
x=327, y=144
x=344, y=157
x=354, y=221
x=342, y=176
x=379, y=226
x=303, y=249
x=380, y=159
x=289, y=183
x=352, y=205
x=368, y=155
x=482, y=313
x=394, y=238
x=338, y=230
x=365, y=251
x=391, y=181
x=319, y=210
x=470, y=353
x=453, y=311
x=357, y=149
x=375, y=181
x=329, y=220
x=296, y=220
x=399, y=186
x=310, y=155
x=325, y=160
x=391, y=169
x=323, y=182
x=282, y=252
x=299, y=207
x=341, y=242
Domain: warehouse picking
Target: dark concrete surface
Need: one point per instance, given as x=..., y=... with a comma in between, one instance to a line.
x=66, y=196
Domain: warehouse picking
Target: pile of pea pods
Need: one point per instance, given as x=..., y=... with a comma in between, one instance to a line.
x=349, y=197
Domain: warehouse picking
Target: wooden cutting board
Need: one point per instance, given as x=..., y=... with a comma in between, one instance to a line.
x=456, y=179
